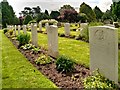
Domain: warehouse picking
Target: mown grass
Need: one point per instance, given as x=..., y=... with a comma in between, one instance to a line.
x=17, y=72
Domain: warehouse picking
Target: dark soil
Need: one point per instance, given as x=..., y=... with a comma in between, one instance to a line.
x=69, y=80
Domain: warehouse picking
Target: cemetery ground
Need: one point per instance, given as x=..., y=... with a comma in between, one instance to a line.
x=78, y=50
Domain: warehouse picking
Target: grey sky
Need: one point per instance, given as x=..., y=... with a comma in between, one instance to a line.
x=18, y=5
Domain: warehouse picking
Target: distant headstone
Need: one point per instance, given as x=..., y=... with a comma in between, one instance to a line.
x=15, y=27
x=19, y=27
x=104, y=51
x=67, y=29
x=84, y=30
x=40, y=26
x=34, y=34
x=46, y=25
x=52, y=33
x=24, y=29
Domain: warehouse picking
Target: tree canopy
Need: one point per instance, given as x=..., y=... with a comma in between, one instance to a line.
x=84, y=8
x=8, y=14
x=98, y=13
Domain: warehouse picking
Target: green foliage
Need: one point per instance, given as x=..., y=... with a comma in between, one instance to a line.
x=64, y=64
x=96, y=24
x=43, y=59
x=27, y=19
x=8, y=14
x=46, y=12
x=27, y=46
x=116, y=9
x=68, y=7
x=107, y=15
x=5, y=30
x=10, y=32
x=98, y=81
x=82, y=17
x=84, y=8
x=98, y=13
x=23, y=39
x=36, y=50
x=54, y=15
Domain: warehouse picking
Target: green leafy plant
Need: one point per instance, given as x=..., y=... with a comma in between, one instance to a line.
x=98, y=81
x=23, y=39
x=5, y=30
x=36, y=50
x=27, y=46
x=64, y=64
x=43, y=59
x=10, y=32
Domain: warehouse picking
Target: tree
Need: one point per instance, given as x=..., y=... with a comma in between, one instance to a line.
x=54, y=15
x=84, y=8
x=65, y=7
x=27, y=19
x=69, y=15
x=8, y=15
x=98, y=13
x=107, y=15
x=116, y=9
x=46, y=12
x=82, y=17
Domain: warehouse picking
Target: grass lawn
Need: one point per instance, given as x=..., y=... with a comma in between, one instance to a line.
x=17, y=72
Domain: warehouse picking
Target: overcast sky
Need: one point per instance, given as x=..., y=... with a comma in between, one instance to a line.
x=18, y=5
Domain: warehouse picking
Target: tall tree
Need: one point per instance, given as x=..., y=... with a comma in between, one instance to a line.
x=54, y=14
x=84, y=8
x=116, y=9
x=46, y=12
x=8, y=14
x=98, y=13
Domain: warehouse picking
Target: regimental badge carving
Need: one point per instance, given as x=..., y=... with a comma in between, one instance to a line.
x=100, y=35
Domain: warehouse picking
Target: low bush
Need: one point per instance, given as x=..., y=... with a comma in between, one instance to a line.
x=36, y=50
x=98, y=81
x=96, y=24
x=61, y=34
x=5, y=30
x=64, y=64
x=23, y=39
x=43, y=59
x=27, y=46
x=10, y=32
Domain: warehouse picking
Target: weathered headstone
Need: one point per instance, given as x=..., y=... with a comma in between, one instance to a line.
x=34, y=34
x=52, y=33
x=40, y=26
x=84, y=30
x=46, y=25
x=104, y=51
x=19, y=27
x=15, y=27
x=67, y=29
x=24, y=29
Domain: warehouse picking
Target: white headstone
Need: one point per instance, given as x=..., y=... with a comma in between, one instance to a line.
x=84, y=30
x=15, y=30
x=104, y=51
x=52, y=33
x=67, y=29
x=34, y=34
x=19, y=29
x=40, y=26
x=24, y=29
x=46, y=25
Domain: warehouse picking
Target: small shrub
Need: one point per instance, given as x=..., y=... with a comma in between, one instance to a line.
x=27, y=46
x=116, y=25
x=62, y=35
x=43, y=59
x=98, y=81
x=23, y=39
x=36, y=50
x=27, y=19
x=10, y=32
x=5, y=30
x=64, y=64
